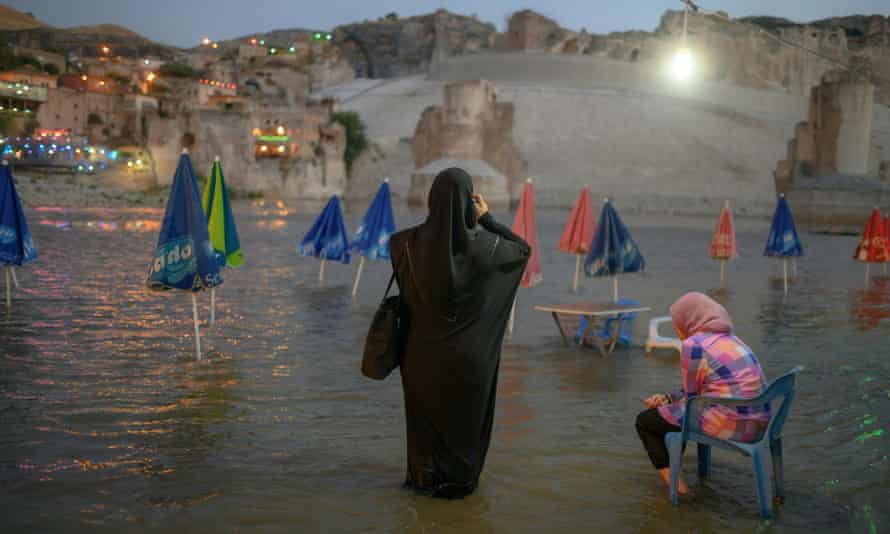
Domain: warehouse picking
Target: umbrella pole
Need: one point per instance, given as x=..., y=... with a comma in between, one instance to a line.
x=321, y=273
x=785, y=273
x=8, y=291
x=867, y=265
x=615, y=288
x=15, y=280
x=512, y=317
x=577, y=270
x=722, y=268
x=212, y=306
x=197, y=332
x=358, y=276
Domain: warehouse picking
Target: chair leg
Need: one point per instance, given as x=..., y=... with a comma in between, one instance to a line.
x=674, y=442
x=704, y=460
x=778, y=470
x=762, y=471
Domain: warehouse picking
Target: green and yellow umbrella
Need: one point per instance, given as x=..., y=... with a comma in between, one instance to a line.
x=220, y=225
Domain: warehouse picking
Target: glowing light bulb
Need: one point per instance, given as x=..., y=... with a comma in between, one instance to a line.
x=682, y=65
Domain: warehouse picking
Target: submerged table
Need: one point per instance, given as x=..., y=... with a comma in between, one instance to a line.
x=592, y=311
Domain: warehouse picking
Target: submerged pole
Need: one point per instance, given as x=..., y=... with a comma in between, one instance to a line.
x=785, y=273
x=358, y=276
x=197, y=332
x=212, y=306
x=15, y=280
x=321, y=273
x=577, y=270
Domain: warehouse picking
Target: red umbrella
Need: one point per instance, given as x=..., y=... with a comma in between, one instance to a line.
x=723, y=244
x=578, y=233
x=873, y=247
x=524, y=227
x=887, y=234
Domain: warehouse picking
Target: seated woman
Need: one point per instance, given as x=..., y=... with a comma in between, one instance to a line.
x=714, y=363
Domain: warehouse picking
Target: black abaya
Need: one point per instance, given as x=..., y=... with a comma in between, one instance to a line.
x=458, y=281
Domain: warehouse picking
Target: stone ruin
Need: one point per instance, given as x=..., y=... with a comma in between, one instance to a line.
x=836, y=168
x=474, y=131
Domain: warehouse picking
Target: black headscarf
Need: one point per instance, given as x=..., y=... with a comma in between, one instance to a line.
x=440, y=249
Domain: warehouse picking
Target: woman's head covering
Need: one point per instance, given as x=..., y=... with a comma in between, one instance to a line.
x=697, y=313
x=441, y=267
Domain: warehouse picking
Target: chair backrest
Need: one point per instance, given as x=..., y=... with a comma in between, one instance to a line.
x=627, y=319
x=782, y=387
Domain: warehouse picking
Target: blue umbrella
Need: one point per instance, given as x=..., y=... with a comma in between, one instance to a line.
x=16, y=246
x=783, y=241
x=327, y=239
x=613, y=251
x=372, y=238
x=184, y=258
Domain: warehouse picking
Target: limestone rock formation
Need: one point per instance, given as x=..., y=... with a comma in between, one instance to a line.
x=398, y=46
x=836, y=164
x=471, y=126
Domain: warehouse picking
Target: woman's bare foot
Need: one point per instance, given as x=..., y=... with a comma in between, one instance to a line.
x=682, y=488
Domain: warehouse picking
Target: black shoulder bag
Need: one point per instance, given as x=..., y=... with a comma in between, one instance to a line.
x=385, y=342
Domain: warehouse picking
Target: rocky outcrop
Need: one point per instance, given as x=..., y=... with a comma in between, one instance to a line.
x=473, y=126
x=396, y=46
x=759, y=52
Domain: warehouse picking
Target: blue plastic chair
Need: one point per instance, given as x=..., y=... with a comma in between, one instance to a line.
x=765, y=453
x=625, y=325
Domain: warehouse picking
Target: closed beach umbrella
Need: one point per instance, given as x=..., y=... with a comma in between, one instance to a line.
x=723, y=244
x=887, y=233
x=783, y=241
x=873, y=246
x=184, y=258
x=524, y=227
x=613, y=250
x=16, y=245
x=372, y=237
x=327, y=240
x=578, y=233
x=220, y=226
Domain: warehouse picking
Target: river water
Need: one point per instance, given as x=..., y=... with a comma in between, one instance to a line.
x=107, y=422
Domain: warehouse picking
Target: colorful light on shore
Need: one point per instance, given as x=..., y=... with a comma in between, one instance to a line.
x=205, y=41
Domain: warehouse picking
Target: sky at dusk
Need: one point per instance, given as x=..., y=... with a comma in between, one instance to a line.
x=185, y=22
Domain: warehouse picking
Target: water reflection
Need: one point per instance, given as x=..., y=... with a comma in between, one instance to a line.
x=870, y=306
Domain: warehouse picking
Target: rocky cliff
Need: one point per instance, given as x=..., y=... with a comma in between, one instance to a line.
x=394, y=46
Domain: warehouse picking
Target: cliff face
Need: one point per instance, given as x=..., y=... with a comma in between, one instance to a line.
x=738, y=51
x=398, y=46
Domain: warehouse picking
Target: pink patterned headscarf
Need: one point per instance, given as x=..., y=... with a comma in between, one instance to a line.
x=697, y=313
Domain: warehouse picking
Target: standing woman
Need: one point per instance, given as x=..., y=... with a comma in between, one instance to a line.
x=457, y=273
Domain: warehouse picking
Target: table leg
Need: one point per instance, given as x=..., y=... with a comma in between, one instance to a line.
x=616, y=324
x=591, y=327
x=559, y=326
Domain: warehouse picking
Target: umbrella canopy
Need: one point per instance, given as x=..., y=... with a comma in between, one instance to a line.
x=184, y=257
x=372, y=238
x=16, y=246
x=327, y=239
x=524, y=227
x=873, y=246
x=783, y=240
x=220, y=222
x=613, y=250
x=887, y=228
x=723, y=244
x=578, y=233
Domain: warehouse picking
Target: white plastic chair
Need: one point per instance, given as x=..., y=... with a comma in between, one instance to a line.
x=655, y=341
